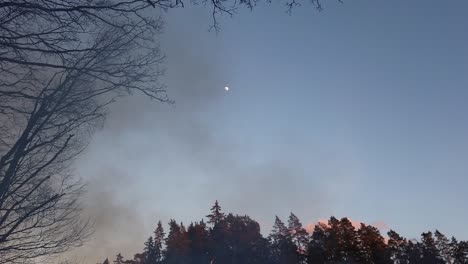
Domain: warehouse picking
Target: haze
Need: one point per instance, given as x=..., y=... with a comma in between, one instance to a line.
x=358, y=111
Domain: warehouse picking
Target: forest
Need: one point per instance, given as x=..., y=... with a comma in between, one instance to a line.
x=229, y=238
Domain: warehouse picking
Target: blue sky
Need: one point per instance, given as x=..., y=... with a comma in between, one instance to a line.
x=358, y=111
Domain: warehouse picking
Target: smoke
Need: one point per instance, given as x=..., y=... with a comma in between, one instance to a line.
x=156, y=161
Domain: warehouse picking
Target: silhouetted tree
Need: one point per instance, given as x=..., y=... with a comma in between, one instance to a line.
x=397, y=248
x=372, y=247
x=342, y=243
x=158, y=242
x=216, y=215
x=151, y=254
x=235, y=239
x=119, y=259
x=138, y=258
x=443, y=246
x=299, y=235
x=283, y=249
x=199, y=243
x=61, y=64
x=177, y=244
x=244, y=240
x=459, y=251
x=349, y=241
x=316, y=252
x=430, y=252
x=415, y=252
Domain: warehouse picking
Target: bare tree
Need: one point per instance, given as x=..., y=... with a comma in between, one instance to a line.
x=62, y=62
x=60, y=66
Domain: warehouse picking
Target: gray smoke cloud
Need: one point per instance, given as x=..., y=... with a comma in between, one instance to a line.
x=155, y=161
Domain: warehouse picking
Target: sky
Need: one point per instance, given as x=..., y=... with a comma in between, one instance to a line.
x=359, y=111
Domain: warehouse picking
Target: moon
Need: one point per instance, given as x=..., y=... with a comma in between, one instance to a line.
x=226, y=88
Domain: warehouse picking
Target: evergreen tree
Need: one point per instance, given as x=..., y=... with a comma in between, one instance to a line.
x=150, y=252
x=283, y=249
x=342, y=243
x=334, y=249
x=243, y=240
x=199, y=243
x=414, y=252
x=298, y=234
x=430, y=252
x=119, y=259
x=158, y=242
x=216, y=215
x=348, y=241
x=279, y=232
x=372, y=247
x=316, y=251
x=106, y=261
x=177, y=244
x=235, y=239
x=443, y=246
x=138, y=258
x=459, y=251
x=397, y=248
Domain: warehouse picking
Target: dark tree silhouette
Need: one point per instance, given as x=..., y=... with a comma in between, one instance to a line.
x=372, y=247
x=237, y=239
x=177, y=244
x=151, y=254
x=430, y=251
x=299, y=235
x=317, y=249
x=199, y=238
x=349, y=241
x=283, y=249
x=158, y=242
x=216, y=215
x=459, y=251
x=443, y=246
x=119, y=259
x=397, y=248
x=61, y=64
x=244, y=240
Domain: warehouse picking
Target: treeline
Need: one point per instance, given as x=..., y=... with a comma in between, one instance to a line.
x=234, y=239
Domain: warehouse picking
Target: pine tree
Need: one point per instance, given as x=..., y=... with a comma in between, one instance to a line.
x=150, y=252
x=443, y=246
x=430, y=252
x=279, y=231
x=138, y=258
x=348, y=240
x=414, y=252
x=243, y=241
x=119, y=259
x=199, y=242
x=316, y=251
x=216, y=215
x=298, y=234
x=158, y=242
x=372, y=247
x=459, y=251
x=284, y=250
x=177, y=244
x=106, y=261
x=397, y=248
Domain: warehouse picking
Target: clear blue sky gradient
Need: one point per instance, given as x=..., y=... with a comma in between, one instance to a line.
x=360, y=110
